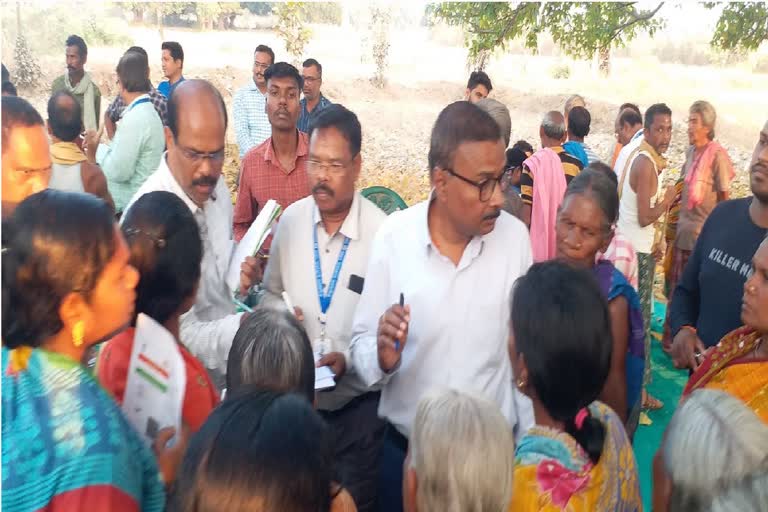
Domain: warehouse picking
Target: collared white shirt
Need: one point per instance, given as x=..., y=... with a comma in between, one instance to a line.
x=207, y=329
x=291, y=268
x=249, y=110
x=459, y=325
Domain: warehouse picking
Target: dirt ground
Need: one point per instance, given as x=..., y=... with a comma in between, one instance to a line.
x=426, y=74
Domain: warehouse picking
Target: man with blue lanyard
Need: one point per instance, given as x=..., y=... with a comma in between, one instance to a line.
x=326, y=238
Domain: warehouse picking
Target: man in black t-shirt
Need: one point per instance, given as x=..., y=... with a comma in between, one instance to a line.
x=707, y=301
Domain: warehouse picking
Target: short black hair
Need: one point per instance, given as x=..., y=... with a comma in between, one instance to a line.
x=9, y=89
x=175, y=49
x=15, y=112
x=82, y=48
x=138, y=49
x=479, y=78
x=258, y=450
x=524, y=146
x=459, y=122
x=515, y=157
x=173, y=106
x=262, y=48
x=132, y=71
x=59, y=242
x=312, y=62
x=166, y=250
x=657, y=109
x=631, y=106
x=630, y=117
x=598, y=185
x=579, y=121
x=562, y=327
x=284, y=70
x=65, y=117
x=339, y=117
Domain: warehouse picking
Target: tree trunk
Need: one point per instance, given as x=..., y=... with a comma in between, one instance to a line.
x=604, y=56
x=138, y=15
x=18, y=18
x=159, y=15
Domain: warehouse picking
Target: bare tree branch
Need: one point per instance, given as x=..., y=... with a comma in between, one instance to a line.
x=636, y=18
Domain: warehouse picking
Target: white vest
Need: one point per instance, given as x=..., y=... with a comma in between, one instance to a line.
x=641, y=237
x=67, y=178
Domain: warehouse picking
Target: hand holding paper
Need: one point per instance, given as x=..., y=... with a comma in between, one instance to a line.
x=252, y=241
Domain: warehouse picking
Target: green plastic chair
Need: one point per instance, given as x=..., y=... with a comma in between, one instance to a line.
x=388, y=200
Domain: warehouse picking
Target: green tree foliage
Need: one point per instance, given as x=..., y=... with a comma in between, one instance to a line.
x=580, y=29
x=290, y=27
x=27, y=72
x=258, y=8
x=741, y=26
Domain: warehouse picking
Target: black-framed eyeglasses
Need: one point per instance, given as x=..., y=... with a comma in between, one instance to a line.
x=216, y=157
x=486, y=187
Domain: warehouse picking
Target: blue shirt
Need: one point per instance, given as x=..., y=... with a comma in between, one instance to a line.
x=306, y=116
x=166, y=88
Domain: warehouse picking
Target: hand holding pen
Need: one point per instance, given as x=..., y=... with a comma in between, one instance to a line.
x=392, y=334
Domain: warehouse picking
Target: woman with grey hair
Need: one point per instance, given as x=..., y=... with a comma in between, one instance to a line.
x=705, y=181
x=714, y=446
x=271, y=351
x=460, y=456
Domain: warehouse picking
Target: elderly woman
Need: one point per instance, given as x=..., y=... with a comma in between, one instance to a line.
x=711, y=426
x=460, y=457
x=706, y=179
x=578, y=456
x=739, y=363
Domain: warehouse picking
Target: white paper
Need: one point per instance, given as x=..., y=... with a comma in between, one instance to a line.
x=252, y=241
x=323, y=376
x=154, y=391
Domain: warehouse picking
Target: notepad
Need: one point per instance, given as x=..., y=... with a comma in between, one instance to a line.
x=323, y=376
x=252, y=241
x=154, y=389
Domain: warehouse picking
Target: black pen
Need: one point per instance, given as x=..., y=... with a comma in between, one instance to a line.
x=402, y=303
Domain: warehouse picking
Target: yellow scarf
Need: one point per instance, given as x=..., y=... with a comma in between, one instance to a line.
x=66, y=153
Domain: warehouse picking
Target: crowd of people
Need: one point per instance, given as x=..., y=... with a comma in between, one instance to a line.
x=490, y=346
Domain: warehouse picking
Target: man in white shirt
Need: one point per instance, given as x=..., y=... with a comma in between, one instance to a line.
x=319, y=257
x=249, y=104
x=191, y=169
x=454, y=258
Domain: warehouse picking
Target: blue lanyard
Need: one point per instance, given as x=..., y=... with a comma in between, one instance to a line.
x=325, y=298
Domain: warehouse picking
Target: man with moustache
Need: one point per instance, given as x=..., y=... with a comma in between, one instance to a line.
x=191, y=168
x=707, y=301
x=79, y=82
x=334, y=228
x=250, y=118
x=276, y=169
x=313, y=101
x=454, y=258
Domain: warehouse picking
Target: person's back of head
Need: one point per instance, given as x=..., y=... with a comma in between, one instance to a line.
x=459, y=122
x=630, y=117
x=132, y=72
x=713, y=441
x=167, y=251
x=271, y=350
x=573, y=101
x=579, y=121
x=750, y=494
x=553, y=126
x=64, y=116
x=461, y=455
x=500, y=113
x=630, y=106
x=258, y=451
x=561, y=327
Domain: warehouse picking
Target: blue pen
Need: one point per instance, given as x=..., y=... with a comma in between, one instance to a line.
x=402, y=303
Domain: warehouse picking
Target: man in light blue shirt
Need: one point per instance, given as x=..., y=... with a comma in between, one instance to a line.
x=313, y=101
x=135, y=151
x=173, y=66
x=249, y=107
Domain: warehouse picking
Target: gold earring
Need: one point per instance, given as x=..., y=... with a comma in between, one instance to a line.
x=78, y=333
x=520, y=383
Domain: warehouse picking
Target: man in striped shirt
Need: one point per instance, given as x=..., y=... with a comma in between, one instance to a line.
x=249, y=105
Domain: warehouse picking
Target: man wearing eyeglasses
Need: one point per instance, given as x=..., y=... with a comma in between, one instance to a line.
x=319, y=257
x=454, y=259
x=250, y=118
x=192, y=169
x=313, y=101
x=277, y=168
